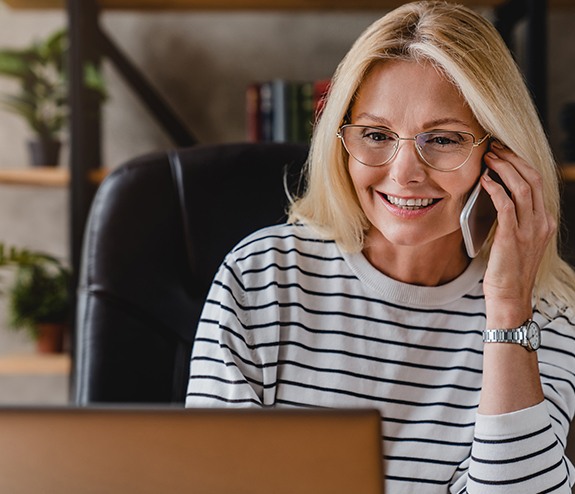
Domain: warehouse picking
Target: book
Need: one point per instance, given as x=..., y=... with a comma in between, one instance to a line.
x=283, y=111
x=266, y=111
x=253, y=120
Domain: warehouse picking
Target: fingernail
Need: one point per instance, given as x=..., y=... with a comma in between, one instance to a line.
x=497, y=144
x=491, y=155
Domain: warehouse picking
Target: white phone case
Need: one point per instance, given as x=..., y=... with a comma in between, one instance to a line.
x=477, y=219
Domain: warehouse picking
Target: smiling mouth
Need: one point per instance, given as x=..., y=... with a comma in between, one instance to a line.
x=410, y=204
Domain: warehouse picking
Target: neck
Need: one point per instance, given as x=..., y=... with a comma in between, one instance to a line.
x=423, y=265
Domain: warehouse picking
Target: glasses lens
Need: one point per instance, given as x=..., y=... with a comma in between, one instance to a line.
x=445, y=150
x=371, y=146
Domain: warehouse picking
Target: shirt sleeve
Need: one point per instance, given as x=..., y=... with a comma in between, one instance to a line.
x=224, y=370
x=518, y=452
x=524, y=451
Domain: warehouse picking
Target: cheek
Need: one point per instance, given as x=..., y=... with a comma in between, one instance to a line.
x=363, y=177
x=460, y=197
x=462, y=182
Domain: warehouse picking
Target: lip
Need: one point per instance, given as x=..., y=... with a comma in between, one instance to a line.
x=407, y=213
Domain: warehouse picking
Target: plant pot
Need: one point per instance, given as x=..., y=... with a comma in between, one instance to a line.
x=44, y=152
x=50, y=337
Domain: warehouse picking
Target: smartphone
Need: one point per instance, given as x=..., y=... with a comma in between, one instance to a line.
x=478, y=216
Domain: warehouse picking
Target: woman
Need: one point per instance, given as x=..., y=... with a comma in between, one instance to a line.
x=368, y=298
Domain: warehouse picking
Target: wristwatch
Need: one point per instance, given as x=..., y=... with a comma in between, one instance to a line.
x=527, y=335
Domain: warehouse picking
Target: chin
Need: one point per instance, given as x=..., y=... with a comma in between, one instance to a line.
x=414, y=238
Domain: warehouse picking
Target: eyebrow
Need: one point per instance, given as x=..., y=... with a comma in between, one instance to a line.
x=438, y=122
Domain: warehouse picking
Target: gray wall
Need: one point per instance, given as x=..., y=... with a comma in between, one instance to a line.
x=202, y=63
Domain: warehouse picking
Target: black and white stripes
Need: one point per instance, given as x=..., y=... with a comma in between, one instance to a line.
x=293, y=321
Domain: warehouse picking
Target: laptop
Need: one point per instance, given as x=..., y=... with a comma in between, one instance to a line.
x=170, y=451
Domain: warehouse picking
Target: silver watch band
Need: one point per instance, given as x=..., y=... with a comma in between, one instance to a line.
x=504, y=336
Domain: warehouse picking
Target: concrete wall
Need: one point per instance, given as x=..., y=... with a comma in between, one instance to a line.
x=202, y=63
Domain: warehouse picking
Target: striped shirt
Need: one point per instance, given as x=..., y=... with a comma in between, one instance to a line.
x=293, y=321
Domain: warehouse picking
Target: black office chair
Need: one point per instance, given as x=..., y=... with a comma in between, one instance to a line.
x=158, y=229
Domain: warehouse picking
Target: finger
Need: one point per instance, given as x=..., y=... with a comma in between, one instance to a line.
x=520, y=202
x=524, y=183
x=526, y=186
x=528, y=173
x=506, y=211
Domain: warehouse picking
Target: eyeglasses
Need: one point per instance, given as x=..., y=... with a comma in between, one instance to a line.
x=443, y=150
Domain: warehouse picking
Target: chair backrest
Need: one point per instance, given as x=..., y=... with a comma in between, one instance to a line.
x=158, y=229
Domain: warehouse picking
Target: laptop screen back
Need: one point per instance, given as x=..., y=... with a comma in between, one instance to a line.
x=129, y=451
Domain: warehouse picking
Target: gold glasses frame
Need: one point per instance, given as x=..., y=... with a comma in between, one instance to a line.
x=397, y=139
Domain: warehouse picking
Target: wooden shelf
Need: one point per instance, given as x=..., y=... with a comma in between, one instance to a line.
x=35, y=364
x=568, y=172
x=44, y=176
x=246, y=4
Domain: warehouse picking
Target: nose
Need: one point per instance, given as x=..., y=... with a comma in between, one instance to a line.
x=407, y=166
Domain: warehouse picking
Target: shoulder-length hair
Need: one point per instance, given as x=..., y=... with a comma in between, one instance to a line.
x=471, y=54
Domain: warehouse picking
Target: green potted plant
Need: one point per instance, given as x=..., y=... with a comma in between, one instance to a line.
x=39, y=299
x=42, y=100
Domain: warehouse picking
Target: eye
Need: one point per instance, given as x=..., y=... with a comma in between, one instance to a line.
x=444, y=139
x=376, y=136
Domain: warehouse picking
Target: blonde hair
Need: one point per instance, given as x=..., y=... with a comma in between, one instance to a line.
x=470, y=52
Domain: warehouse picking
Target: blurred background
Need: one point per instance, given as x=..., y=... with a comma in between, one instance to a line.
x=201, y=63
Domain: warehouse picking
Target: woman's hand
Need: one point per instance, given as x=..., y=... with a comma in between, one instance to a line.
x=522, y=234
x=510, y=373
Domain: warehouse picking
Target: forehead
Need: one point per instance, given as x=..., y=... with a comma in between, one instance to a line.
x=410, y=93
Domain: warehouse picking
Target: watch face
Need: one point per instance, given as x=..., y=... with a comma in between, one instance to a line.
x=533, y=335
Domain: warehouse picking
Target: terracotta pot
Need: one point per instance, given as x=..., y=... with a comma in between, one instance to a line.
x=50, y=338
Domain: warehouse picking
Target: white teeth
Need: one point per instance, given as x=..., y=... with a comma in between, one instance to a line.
x=410, y=203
